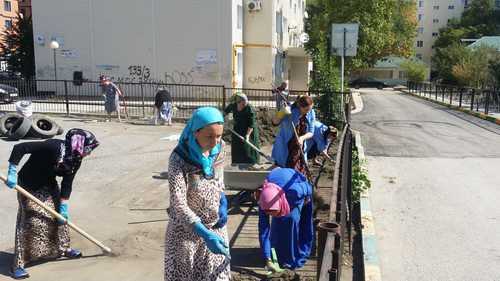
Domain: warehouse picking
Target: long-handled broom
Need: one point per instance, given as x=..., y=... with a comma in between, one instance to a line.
x=106, y=250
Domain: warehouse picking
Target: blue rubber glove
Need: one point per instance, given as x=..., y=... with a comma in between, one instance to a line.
x=222, y=211
x=12, y=176
x=214, y=242
x=64, y=210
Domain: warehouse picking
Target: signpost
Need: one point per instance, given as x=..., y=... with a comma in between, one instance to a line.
x=344, y=43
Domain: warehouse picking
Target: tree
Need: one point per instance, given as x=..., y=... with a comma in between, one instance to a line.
x=473, y=68
x=415, y=70
x=494, y=68
x=445, y=58
x=17, y=47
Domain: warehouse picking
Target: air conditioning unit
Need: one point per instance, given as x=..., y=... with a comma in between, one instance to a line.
x=254, y=5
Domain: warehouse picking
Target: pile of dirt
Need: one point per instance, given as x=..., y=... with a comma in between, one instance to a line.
x=286, y=275
x=267, y=132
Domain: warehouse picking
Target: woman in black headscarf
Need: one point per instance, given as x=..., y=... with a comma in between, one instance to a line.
x=38, y=234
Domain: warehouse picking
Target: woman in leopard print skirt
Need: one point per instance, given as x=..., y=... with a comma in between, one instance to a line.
x=196, y=237
x=38, y=234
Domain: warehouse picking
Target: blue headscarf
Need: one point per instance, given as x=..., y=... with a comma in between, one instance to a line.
x=188, y=145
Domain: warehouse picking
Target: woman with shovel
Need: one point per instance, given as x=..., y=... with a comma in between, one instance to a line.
x=244, y=125
x=287, y=241
x=38, y=234
x=296, y=128
x=196, y=238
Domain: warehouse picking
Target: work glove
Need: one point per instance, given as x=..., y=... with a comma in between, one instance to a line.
x=214, y=242
x=247, y=138
x=12, y=176
x=222, y=211
x=284, y=111
x=64, y=211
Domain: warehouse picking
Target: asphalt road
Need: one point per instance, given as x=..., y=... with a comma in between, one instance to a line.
x=435, y=189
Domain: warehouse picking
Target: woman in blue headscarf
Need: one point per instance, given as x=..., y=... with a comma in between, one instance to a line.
x=196, y=238
x=287, y=147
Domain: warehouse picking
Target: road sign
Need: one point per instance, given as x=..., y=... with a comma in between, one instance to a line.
x=345, y=39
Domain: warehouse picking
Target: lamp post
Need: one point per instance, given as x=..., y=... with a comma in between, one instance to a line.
x=54, y=45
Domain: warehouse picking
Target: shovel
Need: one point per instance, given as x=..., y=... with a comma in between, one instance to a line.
x=21, y=190
x=268, y=158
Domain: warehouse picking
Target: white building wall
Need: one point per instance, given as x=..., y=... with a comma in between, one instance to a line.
x=133, y=41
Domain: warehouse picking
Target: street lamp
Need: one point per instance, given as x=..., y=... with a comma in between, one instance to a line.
x=54, y=45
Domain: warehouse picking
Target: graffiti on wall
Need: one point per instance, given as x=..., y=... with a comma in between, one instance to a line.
x=256, y=79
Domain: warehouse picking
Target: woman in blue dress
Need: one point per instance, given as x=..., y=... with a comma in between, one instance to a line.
x=287, y=146
x=286, y=197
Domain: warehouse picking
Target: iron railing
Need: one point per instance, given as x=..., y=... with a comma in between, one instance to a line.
x=333, y=234
x=484, y=100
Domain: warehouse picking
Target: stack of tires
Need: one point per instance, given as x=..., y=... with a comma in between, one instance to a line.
x=14, y=126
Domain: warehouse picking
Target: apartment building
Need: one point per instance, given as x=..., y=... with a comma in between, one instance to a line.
x=273, y=45
x=236, y=43
x=8, y=13
x=433, y=15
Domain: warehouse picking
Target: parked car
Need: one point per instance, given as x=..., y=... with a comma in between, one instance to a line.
x=8, y=94
x=367, y=82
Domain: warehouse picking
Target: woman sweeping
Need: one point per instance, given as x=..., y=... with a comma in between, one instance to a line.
x=38, y=234
x=288, y=150
x=244, y=125
x=196, y=237
x=286, y=197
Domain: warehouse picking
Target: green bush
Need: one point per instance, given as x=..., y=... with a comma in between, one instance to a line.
x=415, y=70
x=360, y=181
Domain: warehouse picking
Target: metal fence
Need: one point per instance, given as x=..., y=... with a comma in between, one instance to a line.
x=86, y=97
x=333, y=235
x=480, y=100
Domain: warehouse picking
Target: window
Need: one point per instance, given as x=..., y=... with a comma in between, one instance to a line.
x=7, y=6
x=419, y=56
x=497, y=3
x=420, y=44
x=8, y=24
x=420, y=4
x=420, y=17
x=239, y=17
x=279, y=23
x=420, y=30
x=402, y=74
x=436, y=7
x=239, y=61
x=435, y=34
x=451, y=7
x=435, y=20
x=295, y=9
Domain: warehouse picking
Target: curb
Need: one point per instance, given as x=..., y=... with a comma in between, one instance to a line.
x=461, y=109
x=369, y=238
x=358, y=102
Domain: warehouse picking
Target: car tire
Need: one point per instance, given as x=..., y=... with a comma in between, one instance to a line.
x=356, y=87
x=380, y=87
x=20, y=129
x=7, y=121
x=43, y=127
